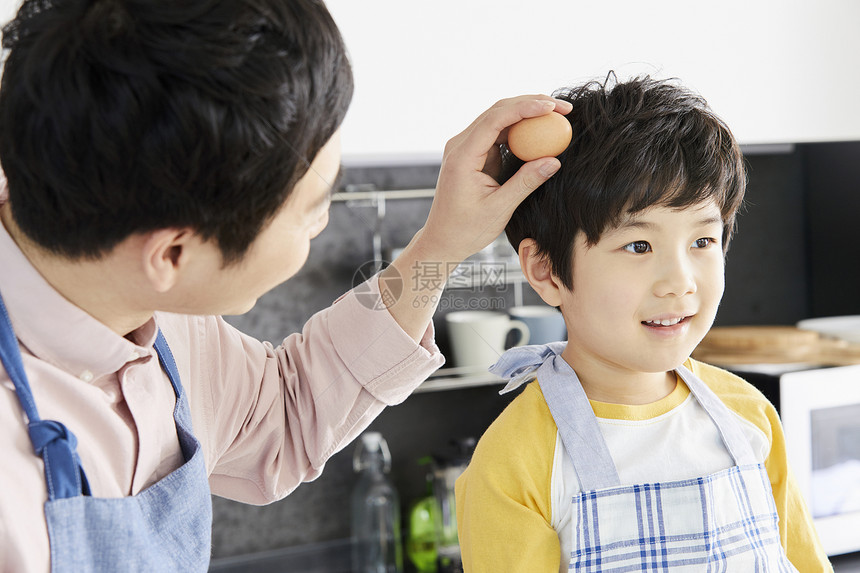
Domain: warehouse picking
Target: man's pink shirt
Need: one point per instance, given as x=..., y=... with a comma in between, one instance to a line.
x=267, y=417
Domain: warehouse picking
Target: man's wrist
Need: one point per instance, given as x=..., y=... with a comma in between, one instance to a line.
x=427, y=250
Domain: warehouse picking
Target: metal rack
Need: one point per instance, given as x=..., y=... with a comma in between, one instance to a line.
x=470, y=275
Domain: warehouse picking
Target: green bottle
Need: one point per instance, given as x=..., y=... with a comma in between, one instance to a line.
x=421, y=543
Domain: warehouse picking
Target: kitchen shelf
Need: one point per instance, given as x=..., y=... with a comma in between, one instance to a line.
x=377, y=194
x=489, y=273
x=459, y=378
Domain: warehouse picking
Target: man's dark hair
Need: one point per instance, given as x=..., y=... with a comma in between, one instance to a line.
x=124, y=116
x=635, y=145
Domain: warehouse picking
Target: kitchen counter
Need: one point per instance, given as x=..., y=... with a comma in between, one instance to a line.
x=334, y=557
x=849, y=563
x=327, y=557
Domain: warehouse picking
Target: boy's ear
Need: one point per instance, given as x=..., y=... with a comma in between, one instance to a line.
x=164, y=253
x=538, y=272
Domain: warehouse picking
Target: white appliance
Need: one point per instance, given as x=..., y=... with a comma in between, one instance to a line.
x=820, y=411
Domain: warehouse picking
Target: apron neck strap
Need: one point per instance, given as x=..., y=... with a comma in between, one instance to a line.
x=583, y=440
x=10, y=355
x=577, y=425
x=727, y=423
x=51, y=440
x=168, y=364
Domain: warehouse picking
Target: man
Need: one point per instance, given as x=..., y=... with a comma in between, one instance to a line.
x=167, y=163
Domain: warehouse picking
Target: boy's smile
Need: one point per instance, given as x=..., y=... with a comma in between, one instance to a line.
x=668, y=326
x=643, y=297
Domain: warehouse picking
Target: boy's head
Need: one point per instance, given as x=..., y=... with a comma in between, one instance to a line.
x=636, y=144
x=628, y=238
x=122, y=116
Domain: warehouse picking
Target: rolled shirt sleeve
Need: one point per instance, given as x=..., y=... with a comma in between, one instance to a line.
x=269, y=417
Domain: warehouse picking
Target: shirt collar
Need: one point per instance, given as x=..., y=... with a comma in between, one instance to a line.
x=56, y=330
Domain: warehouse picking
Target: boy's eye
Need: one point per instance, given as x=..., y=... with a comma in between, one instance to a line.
x=704, y=242
x=637, y=247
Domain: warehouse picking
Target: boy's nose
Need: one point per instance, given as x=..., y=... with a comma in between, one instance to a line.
x=675, y=277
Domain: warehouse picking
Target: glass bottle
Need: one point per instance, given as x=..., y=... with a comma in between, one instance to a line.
x=446, y=470
x=375, y=510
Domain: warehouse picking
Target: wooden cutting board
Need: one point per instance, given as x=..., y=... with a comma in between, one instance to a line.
x=774, y=345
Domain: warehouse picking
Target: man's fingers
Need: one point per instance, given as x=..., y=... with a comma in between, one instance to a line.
x=529, y=177
x=491, y=127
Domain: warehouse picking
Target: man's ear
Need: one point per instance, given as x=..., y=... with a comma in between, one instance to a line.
x=538, y=272
x=164, y=254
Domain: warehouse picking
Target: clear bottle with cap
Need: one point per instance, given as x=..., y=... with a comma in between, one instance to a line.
x=446, y=470
x=376, y=543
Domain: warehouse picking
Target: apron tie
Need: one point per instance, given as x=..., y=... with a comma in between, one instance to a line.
x=519, y=364
x=56, y=444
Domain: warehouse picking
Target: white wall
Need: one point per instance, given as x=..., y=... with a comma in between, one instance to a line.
x=8, y=9
x=781, y=71
x=777, y=72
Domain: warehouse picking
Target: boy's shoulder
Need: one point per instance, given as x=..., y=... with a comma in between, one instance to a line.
x=528, y=413
x=724, y=383
x=514, y=457
x=737, y=394
x=524, y=428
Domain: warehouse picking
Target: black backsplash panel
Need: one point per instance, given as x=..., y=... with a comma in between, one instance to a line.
x=832, y=181
x=766, y=264
x=799, y=204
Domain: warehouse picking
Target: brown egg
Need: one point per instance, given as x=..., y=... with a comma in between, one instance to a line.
x=543, y=136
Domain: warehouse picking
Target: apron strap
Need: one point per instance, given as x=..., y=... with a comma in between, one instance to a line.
x=583, y=440
x=10, y=355
x=577, y=425
x=181, y=412
x=51, y=440
x=168, y=364
x=727, y=424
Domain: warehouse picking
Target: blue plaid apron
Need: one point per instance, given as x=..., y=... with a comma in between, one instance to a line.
x=726, y=521
x=165, y=528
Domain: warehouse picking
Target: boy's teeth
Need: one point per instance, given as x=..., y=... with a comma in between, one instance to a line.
x=666, y=322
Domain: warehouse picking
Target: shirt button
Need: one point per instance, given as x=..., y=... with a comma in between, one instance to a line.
x=86, y=376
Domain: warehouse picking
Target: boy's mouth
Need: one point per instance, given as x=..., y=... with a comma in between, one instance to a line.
x=666, y=322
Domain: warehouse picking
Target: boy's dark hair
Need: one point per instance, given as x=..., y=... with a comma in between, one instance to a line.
x=124, y=116
x=635, y=145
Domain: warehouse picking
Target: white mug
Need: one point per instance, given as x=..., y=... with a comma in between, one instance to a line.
x=545, y=323
x=478, y=336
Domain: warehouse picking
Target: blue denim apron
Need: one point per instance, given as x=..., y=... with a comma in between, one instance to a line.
x=166, y=527
x=725, y=521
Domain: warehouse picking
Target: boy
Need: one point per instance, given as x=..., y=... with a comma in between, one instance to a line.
x=622, y=453
x=168, y=162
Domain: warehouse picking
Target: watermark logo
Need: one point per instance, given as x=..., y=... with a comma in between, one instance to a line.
x=448, y=302
x=429, y=280
x=390, y=285
x=468, y=275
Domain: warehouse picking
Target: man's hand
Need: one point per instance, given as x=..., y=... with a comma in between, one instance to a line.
x=470, y=208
